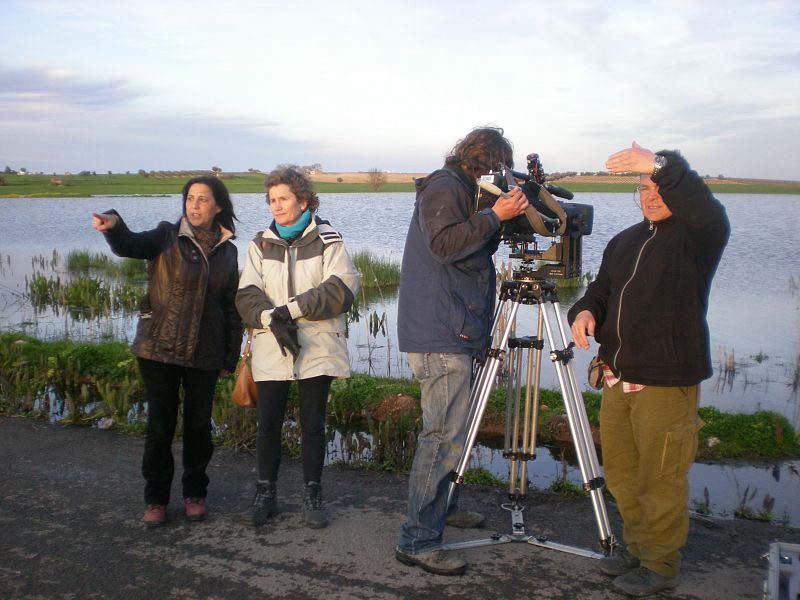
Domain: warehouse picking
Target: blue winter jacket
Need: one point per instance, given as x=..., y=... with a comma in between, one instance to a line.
x=447, y=284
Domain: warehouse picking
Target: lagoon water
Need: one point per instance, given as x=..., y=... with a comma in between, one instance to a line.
x=754, y=312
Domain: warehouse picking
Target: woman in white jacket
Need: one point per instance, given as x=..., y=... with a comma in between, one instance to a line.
x=297, y=283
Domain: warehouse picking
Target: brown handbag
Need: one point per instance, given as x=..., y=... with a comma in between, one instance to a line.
x=244, y=392
x=596, y=374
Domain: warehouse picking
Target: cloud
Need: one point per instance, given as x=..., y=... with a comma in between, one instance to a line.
x=55, y=120
x=42, y=86
x=358, y=84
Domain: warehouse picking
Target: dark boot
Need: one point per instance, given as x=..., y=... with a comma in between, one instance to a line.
x=265, y=503
x=313, y=511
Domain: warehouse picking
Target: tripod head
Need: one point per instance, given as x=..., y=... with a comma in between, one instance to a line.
x=541, y=264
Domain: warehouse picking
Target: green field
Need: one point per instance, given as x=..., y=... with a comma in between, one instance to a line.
x=43, y=186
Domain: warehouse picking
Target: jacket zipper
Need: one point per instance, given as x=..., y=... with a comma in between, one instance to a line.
x=654, y=229
x=205, y=286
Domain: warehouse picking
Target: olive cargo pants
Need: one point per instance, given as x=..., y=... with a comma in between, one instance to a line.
x=649, y=441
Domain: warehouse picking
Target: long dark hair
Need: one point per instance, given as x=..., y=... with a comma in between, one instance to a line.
x=482, y=150
x=224, y=217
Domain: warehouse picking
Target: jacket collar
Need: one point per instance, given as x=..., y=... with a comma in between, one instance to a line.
x=449, y=170
x=185, y=229
x=269, y=236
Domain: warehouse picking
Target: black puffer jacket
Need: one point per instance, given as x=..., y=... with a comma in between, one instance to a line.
x=650, y=297
x=188, y=316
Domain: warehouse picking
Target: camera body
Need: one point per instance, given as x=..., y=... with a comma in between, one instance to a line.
x=545, y=216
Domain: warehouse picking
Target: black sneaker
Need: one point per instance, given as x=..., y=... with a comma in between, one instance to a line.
x=436, y=561
x=618, y=564
x=265, y=503
x=643, y=582
x=313, y=511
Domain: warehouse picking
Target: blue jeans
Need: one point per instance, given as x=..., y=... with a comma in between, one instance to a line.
x=444, y=382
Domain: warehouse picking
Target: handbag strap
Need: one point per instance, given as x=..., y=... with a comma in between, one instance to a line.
x=246, y=351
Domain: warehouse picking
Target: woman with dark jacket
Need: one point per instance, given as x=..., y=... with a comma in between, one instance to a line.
x=297, y=283
x=189, y=333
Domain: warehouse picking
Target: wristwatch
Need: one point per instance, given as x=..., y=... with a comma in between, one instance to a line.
x=659, y=163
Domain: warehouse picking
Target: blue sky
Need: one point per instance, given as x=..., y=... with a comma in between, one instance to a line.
x=167, y=85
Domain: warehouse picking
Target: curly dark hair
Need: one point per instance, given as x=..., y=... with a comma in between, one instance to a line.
x=482, y=150
x=300, y=185
x=226, y=216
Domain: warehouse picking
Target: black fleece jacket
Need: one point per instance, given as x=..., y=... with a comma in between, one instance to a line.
x=650, y=298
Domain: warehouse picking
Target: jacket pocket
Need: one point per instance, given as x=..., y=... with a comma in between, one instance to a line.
x=466, y=316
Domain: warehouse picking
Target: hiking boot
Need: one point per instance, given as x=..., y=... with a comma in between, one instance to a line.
x=265, y=503
x=618, y=564
x=643, y=582
x=465, y=519
x=313, y=511
x=155, y=515
x=194, y=509
x=436, y=561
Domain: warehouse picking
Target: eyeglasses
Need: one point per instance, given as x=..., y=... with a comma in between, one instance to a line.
x=636, y=191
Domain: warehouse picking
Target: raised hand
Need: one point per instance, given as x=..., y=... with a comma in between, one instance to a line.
x=631, y=160
x=103, y=223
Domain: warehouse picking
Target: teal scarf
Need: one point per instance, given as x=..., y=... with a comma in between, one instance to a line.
x=292, y=231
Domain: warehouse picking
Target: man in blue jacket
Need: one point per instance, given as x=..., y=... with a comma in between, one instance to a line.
x=446, y=305
x=647, y=310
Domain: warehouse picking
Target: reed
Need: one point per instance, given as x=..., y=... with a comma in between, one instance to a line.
x=84, y=297
x=376, y=271
x=85, y=261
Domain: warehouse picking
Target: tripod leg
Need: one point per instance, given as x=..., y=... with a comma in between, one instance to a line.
x=579, y=427
x=531, y=417
x=479, y=397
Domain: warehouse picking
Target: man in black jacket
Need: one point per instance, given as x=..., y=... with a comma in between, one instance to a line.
x=647, y=310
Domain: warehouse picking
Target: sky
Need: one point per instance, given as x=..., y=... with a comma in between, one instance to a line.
x=355, y=85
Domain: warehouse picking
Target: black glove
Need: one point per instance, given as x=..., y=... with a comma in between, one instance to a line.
x=284, y=329
x=281, y=313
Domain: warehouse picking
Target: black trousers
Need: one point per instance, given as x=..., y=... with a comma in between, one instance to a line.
x=162, y=384
x=312, y=397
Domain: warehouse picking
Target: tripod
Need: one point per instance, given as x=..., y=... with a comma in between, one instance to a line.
x=527, y=287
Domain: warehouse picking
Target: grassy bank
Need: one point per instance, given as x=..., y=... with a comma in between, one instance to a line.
x=377, y=417
x=22, y=186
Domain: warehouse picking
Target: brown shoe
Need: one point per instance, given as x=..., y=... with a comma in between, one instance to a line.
x=194, y=508
x=619, y=563
x=436, y=561
x=644, y=582
x=155, y=515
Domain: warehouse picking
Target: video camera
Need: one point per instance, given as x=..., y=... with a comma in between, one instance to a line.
x=545, y=216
